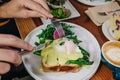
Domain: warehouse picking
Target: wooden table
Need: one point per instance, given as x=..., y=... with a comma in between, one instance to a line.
x=26, y=25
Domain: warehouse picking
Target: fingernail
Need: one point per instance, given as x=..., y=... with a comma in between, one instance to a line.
x=50, y=15
x=30, y=47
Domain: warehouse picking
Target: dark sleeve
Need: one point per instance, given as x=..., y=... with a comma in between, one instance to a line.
x=3, y=1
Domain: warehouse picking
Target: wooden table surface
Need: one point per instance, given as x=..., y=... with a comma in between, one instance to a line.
x=26, y=25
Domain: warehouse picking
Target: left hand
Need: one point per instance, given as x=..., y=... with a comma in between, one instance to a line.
x=11, y=55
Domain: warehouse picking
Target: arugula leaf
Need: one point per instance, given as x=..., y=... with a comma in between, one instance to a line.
x=80, y=61
x=83, y=51
x=38, y=52
x=74, y=39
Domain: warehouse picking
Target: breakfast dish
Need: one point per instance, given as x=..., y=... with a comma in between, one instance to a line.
x=58, y=10
x=57, y=56
x=61, y=54
x=95, y=2
x=32, y=62
x=60, y=13
x=115, y=26
x=107, y=31
x=67, y=12
x=110, y=28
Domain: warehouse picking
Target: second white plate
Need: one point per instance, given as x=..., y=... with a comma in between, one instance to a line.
x=94, y=3
x=68, y=5
x=106, y=30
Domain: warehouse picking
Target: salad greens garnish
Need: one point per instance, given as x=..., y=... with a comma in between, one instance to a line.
x=74, y=39
x=57, y=10
x=84, y=52
x=81, y=61
x=60, y=13
x=47, y=35
x=38, y=52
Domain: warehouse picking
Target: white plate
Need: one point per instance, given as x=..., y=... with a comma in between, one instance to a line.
x=107, y=31
x=94, y=3
x=68, y=5
x=32, y=62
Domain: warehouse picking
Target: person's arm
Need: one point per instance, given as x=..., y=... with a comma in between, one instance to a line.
x=25, y=9
x=10, y=55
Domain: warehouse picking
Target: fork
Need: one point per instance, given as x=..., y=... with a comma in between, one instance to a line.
x=24, y=52
x=58, y=27
x=106, y=13
x=61, y=4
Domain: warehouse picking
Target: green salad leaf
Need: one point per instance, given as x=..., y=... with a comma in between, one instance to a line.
x=81, y=61
x=60, y=13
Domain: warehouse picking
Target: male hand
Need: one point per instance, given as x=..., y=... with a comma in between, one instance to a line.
x=10, y=55
x=25, y=9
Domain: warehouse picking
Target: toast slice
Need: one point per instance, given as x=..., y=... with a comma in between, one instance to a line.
x=61, y=68
x=55, y=56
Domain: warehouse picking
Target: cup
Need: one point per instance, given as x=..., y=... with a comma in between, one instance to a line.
x=111, y=57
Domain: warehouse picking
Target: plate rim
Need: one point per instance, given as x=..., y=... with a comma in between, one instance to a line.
x=106, y=31
x=93, y=3
x=91, y=73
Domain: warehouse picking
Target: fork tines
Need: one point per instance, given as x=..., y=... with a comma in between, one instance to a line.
x=58, y=27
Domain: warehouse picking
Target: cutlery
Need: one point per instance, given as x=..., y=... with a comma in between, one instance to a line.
x=58, y=27
x=61, y=4
x=106, y=13
x=24, y=52
x=59, y=30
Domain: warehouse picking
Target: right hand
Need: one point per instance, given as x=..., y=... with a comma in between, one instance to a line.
x=25, y=9
x=10, y=55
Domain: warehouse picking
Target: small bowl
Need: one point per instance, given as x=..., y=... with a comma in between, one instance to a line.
x=111, y=57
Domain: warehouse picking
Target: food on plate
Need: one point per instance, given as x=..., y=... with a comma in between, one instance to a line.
x=115, y=26
x=58, y=55
x=61, y=54
x=60, y=13
x=57, y=11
